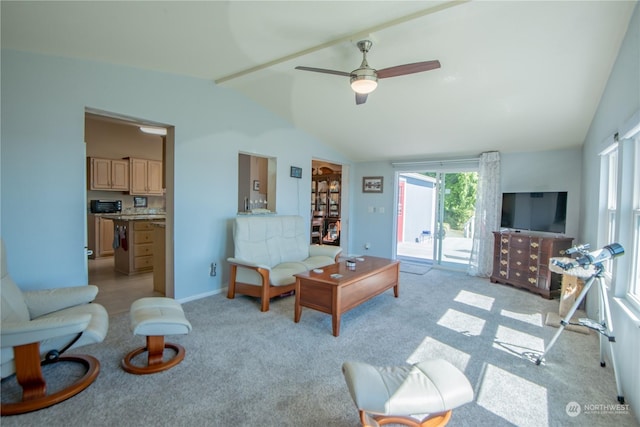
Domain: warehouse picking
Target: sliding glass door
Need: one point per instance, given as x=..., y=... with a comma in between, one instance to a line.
x=435, y=217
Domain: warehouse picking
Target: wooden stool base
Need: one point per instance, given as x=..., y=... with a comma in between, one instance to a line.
x=434, y=420
x=155, y=347
x=34, y=395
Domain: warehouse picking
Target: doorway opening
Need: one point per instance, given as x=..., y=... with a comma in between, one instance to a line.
x=130, y=172
x=326, y=203
x=435, y=217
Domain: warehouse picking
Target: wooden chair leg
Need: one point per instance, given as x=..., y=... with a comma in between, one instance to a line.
x=231, y=292
x=265, y=294
x=34, y=387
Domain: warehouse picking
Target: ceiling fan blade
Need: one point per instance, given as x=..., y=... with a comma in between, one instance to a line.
x=401, y=70
x=361, y=98
x=325, y=71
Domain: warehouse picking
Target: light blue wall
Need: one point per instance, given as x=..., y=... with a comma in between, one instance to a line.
x=520, y=171
x=620, y=100
x=43, y=178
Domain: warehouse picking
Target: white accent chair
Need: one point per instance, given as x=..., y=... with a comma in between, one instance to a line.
x=37, y=326
x=269, y=250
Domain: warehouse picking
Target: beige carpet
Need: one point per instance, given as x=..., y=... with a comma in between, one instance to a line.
x=247, y=368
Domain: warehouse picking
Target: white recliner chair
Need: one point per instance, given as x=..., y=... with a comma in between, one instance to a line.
x=38, y=326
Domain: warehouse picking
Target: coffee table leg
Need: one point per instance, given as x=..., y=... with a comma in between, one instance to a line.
x=335, y=323
x=297, y=310
x=396, y=290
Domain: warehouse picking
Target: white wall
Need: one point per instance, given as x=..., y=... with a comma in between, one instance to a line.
x=558, y=170
x=43, y=182
x=620, y=100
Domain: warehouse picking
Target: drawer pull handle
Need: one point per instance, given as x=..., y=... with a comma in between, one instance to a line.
x=532, y=268
x=517, y=274
x=562, y=252
x=532, y=280
x=503, y=273
x=505, y=240
x=533, y=256
x=519, y=251
x=519, y=263
x=534, y=244
x=503, y=262
x=504, y=251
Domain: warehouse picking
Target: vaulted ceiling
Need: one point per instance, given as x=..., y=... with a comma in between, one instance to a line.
x=515, y=76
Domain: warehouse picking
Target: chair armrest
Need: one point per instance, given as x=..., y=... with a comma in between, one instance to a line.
x=325, y=250
x=15, y=334
x=247, y=264
x=47, y=301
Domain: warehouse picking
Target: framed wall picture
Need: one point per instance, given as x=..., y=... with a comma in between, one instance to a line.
x=372, y=184
x=139, y=202
x=296, y=172
x=256, y=185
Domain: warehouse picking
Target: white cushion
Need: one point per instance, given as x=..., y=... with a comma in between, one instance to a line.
x=270, y=240
x=427, y=387
x=158, y=316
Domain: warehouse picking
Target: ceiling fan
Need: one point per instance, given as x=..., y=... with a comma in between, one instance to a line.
x=364, y=80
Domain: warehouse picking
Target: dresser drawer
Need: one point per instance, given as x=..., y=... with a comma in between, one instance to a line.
x=142, y=262
x=142, y=225
x=143, y=237
x=143, y=249
x=519, y=242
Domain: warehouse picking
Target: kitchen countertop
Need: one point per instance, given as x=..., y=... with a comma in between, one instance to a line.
x=135, y=217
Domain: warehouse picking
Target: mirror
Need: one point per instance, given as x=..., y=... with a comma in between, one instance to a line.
x=256, y=183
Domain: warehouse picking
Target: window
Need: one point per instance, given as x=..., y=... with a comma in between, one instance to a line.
x=610, y=185
x=620, y=210
x=634, y=252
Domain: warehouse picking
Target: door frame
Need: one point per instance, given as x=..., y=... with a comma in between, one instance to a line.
x=168, y=164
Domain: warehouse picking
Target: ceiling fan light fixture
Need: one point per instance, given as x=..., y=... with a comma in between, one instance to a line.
x=364, y=84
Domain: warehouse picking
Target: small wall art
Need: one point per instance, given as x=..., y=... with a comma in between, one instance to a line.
x=372, y=184
x=296, y=172
x=256, y=185
x=139, y=202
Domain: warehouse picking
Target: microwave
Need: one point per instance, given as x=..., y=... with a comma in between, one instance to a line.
x=106, y=206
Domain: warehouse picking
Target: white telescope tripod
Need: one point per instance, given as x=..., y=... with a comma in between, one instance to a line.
x=604, y=326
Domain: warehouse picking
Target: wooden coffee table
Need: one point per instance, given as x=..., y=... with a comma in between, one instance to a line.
x=337, y=295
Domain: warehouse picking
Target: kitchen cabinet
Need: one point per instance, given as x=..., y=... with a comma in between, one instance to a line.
x=107, y=174
x=522, y=260
x=146, y=177
x=100, y=236
x=136, y=254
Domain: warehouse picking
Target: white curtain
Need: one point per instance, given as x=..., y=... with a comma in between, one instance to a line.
x=487, y=219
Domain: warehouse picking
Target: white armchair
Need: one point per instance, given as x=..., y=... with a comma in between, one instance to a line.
x=38, y=326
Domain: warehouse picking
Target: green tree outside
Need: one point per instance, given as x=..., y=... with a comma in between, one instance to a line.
x=460, y=200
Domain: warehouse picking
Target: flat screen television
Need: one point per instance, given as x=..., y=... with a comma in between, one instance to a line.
x=538, y=211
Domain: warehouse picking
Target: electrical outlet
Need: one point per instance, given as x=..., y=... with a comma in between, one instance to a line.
x=213, y=272
x=367, y=246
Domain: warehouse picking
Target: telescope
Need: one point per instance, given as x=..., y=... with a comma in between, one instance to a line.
x=585, y=258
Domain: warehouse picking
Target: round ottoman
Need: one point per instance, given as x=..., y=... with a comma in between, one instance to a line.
x=154, y=318
x=385, y=395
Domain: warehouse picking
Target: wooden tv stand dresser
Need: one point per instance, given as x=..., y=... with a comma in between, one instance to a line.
x=521, y=259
